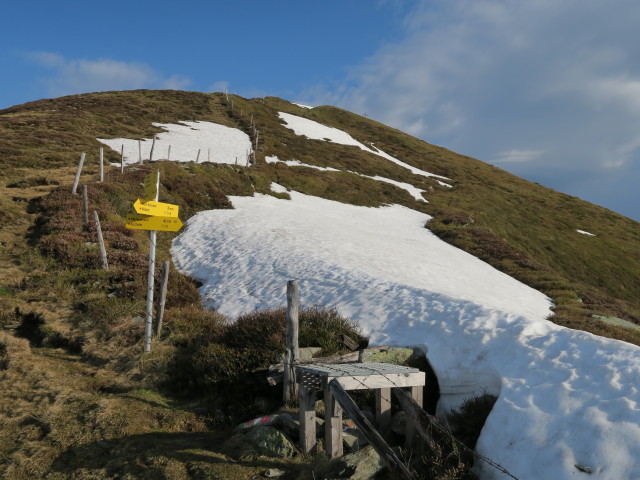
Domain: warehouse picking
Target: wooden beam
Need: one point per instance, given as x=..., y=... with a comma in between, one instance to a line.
x=395, y=465
x=307, y=400
x=383, y=408
x=332, y=426
x=292, y=352
x=76, y=180
x=410, y=433
x=388, y=380
x=162, y=297
x=417, y=416
x=103, y=251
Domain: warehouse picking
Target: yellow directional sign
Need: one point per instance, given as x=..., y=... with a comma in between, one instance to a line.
x=157, y=209
x=150, y=186
x=146, y=222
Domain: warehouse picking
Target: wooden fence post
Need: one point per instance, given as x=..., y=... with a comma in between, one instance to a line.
x=101, y=164
x=103, y=252
x=377, y=442
x=162, y=296
x=292, y=352
x=153, y=145
x=418, y=418
x=85, y=206
x=74, y=188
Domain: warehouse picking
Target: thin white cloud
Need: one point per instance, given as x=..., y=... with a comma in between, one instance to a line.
x=71, y=76
x=484, y=76
x=517, y=156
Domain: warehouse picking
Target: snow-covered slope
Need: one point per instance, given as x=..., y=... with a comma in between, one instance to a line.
x=566, y=397
x=186, y=142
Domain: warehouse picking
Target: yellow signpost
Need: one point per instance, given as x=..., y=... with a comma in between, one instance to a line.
x=153, y=216
x=158, y=209
x=148, y=222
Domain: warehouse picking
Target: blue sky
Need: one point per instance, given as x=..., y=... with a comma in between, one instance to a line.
x=547, y=90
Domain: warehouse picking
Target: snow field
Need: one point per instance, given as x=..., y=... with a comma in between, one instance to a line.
x=217, y=143
x=565, y=397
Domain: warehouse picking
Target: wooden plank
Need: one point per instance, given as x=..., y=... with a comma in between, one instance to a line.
x=332, y=426
x=349, y=342
x=292, y=352
x=101, y=164
x=383, y=408
x=162, y=297
x=76, y=180
x=389, y=380
x=359, y=369
x=410, y=432
x=307, y=400
x=417, y=416
x=388, y=456
x=153, y=146
x=85, y=206
x=103, y=251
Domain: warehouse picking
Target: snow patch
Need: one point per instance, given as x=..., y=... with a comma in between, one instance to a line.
x=216, y=143
x=277, y=188
x=317, y=131
x=586, y=233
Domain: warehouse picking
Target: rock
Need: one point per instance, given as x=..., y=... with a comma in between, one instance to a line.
x=361, y=465
x=307, y=353
x=273, y=473
x=394, y=355
x=260, y=440
x=399, y=422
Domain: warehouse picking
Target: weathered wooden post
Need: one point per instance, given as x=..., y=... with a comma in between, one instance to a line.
x=74, y=188
x=198, y=156
x=162, y=296
x=153, y=145
x=292, y=352
x=85, y=206
x=255, y=151
x=208, y=155
x=101, y=164
x=122, y=159
x=169, y=153
x=139, y=152
x=103, y=252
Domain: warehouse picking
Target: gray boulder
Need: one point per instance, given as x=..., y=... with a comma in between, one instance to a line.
x=361, y=465
x=260, y=440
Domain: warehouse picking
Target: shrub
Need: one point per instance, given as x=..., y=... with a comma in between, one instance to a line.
x=192, y=327
x=467, y=421
x=324, y=327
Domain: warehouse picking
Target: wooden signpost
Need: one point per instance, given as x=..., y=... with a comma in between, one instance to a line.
x=153, y=216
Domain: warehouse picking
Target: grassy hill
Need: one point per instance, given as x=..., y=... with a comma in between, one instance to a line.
x=79, y=389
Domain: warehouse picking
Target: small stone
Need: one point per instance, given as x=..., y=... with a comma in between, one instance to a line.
x=399, y=423
x=273, y=473
x=583, y=468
